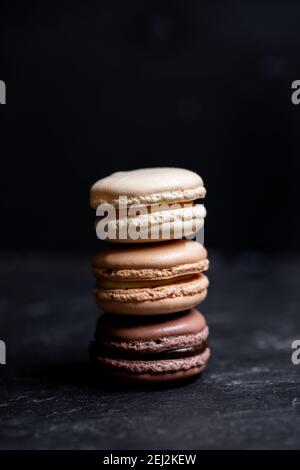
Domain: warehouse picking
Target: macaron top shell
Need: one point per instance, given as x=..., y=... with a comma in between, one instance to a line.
x=153, y=256
x=148, y=186
x=183, y=323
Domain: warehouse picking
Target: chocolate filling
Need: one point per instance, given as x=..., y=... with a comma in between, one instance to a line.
x=97, y=350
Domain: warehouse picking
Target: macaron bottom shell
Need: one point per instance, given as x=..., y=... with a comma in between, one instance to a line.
x=160, y=378
x=174, y=370
x=161, y=299
x=155, y=307
x=164, y=232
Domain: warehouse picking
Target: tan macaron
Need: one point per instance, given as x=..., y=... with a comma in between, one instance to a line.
x=151, y=279
x=159, y=205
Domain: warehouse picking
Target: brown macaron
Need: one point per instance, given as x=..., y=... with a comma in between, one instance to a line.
x=151, y=350
x=151, y=279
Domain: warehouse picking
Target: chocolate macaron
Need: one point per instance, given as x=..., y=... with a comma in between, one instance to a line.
x=151, y=279
x=151, y=349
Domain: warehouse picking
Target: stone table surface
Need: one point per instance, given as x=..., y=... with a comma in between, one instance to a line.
x=249, y=396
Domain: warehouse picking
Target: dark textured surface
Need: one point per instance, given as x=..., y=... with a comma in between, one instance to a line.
x=249, y=397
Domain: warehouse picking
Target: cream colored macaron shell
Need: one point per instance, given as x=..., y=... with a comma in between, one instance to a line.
x=151, y=279
x=148, y=186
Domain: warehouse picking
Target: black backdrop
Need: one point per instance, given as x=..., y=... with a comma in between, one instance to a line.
x=98, y=86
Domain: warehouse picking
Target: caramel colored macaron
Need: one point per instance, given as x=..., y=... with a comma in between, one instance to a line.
x=151, y=279
x=159, y=205
x=150, y=350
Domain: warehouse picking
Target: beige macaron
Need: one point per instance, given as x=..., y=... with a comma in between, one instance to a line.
x=151, y=279
x=148, y=204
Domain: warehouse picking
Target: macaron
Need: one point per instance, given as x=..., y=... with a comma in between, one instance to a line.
x=150, y=349
x=158, y=205
x=152, y=279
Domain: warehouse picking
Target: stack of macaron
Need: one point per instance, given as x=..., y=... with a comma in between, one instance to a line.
x=148, y=282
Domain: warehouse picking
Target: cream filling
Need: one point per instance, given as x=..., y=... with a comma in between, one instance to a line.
x=129, y=284
x=183, y=288
x=180, y=214
x=178, y=195
x=159, y=344
x=153, y=273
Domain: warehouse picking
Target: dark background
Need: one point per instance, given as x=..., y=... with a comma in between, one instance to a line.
x=94, y=87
